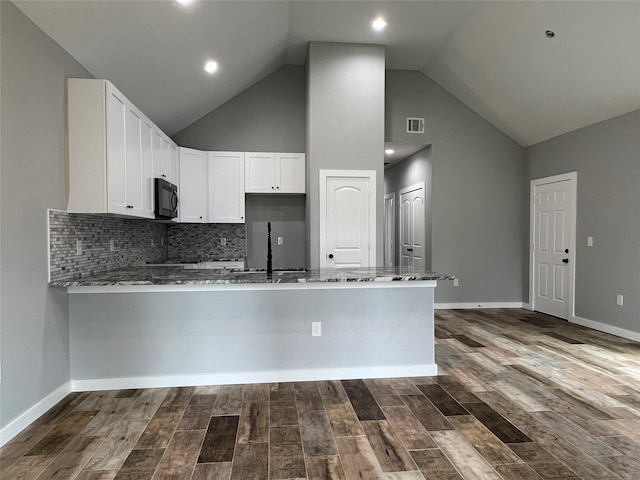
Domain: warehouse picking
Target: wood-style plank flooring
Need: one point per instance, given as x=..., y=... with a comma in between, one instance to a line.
x=520, y=395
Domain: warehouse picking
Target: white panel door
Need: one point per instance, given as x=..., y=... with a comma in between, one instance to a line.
x=412, y=227
x=226, y=187
x=260, y=172
x=552, y=243
x=347, y=220
x=116, y=153
x=389, y=229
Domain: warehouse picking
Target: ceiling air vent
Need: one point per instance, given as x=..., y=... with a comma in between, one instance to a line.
x=415, y=125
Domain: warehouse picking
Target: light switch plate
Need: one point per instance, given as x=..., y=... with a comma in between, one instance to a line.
x=589, y=241
x=280, y=240
x=619, y=300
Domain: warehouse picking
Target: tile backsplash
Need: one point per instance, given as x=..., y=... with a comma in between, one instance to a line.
x=193, y=242
x=135, y=242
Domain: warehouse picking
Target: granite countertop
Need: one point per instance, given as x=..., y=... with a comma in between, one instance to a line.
x=176, y=275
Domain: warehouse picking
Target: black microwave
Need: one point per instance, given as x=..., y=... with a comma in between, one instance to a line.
x=166, y=199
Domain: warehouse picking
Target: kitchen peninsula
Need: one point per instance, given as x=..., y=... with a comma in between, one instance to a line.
x=167, y=326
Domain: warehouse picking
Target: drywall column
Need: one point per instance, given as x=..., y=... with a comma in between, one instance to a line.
x=345, y=124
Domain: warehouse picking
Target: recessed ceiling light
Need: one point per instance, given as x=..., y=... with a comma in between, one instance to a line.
x=185, y=2
x=211, y=66
x=389, y=151
x=379, y=24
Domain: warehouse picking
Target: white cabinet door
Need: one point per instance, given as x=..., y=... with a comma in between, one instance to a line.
x=133, y=133
x=147, y=168
x=193, y=186
x=260, y=172
x=165, y=158
x=226, y=187
x=116, y=153
x=290, y=173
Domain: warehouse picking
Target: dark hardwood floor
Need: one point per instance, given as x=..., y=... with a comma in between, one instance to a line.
x=520, y=396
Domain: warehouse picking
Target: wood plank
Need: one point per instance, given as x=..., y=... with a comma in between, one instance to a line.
x=358, y=460
x=428, y=415
x=434, y=464
x=22, y=443
x=64, y=407
x=457, y=390
x=286, y=458
x=520, y=471
x=464, y=457
x=251, y=462
x=332, y=390
x=254, y=422
x=72, y=459
x=97, y=475
x=179, y=459
x=362, y=401
x=442, y=400
x=496, y=423
x=115, y=449
x=317, y=437
x=28, y=467
x=343, y=420
x=212, y=471
x=308, y=396
x=387, y=447
x=198, y=413
x=410, y=431
x=228, y=400
x=178, y=397
x=145, y=407
x=486, y=443
x=324, y=468
x=63, y=433
x=282, y=414
x=220, y=440
x=161, y=427
x=140, y=464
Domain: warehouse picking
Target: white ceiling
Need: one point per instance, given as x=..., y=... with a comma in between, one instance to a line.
x=492, y=55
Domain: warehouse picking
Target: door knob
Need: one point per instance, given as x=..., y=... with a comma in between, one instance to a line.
x=565, y=260
x=331, y=255
x=566, y=250
x=409, y=249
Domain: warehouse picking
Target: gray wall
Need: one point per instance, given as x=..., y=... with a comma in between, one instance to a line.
x=607, y=158
x=267, y=117
x=35, y=343
x=479, y=196
x=286, y=214
x=411, y=171
x=345, y=124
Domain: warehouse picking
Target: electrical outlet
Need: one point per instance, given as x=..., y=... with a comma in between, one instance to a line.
x=112, y=245
x=619, y=300
x=316, y=329
x=223, y=242
x=455, y=282
x=589, y=241
x=280, y=240
x=78, y=247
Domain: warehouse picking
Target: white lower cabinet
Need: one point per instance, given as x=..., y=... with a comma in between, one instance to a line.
x=226, y=187
x=194, y=188
x=274, y=172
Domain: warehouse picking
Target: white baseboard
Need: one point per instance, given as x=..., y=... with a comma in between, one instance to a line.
x=457, y=306
x=603, y=327
x=31, y=415
x=425, y=370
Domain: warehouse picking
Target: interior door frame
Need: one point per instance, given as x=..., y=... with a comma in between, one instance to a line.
x=573, y=188
x=390, y=196
x=371, y=175
x=401, y=192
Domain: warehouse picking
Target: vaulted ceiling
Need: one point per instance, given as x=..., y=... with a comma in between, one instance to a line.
x=492, y=55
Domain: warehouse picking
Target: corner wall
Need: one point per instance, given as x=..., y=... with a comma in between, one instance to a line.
x=480, y=209
x=35, y=319
x=606, y=156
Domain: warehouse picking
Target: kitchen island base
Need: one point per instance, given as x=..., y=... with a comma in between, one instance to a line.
x=139, y=338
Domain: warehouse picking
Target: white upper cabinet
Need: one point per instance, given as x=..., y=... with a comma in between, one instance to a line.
x=226, y=187
x=113, y=151
x=194, y=202
x=274, y=172
x=165, y=158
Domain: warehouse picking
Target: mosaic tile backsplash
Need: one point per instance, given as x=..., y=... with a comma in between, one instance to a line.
x=132, y=244
x=194, y=242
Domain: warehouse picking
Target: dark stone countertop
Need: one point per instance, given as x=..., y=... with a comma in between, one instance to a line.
x=176, y=275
